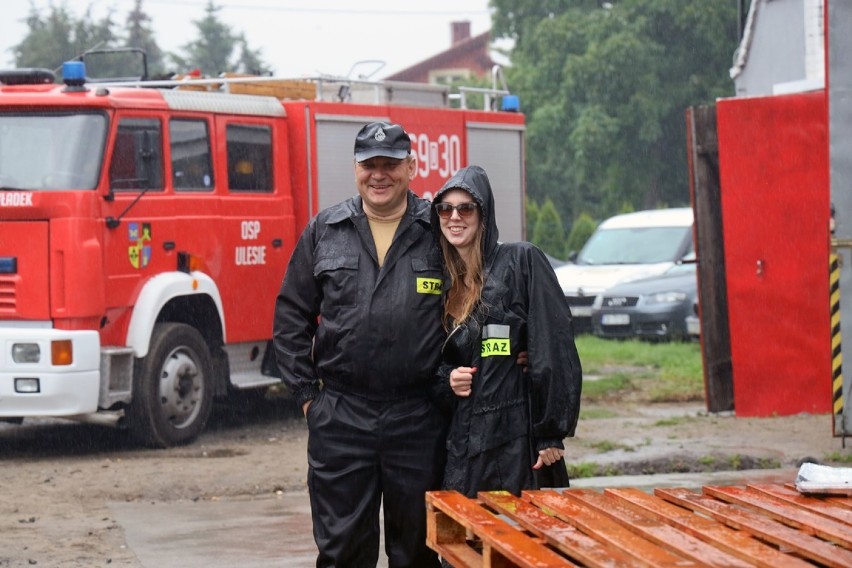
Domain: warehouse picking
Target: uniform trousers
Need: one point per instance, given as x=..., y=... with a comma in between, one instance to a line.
x=364, y=453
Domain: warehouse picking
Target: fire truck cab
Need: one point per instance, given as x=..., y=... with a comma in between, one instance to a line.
x=145, y=228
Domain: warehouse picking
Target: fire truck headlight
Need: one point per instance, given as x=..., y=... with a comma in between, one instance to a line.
x=26, y=353
x=61, y=352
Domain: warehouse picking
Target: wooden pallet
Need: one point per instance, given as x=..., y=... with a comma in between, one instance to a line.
x=770, y=525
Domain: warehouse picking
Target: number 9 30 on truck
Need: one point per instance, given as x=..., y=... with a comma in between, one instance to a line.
x=145, y=227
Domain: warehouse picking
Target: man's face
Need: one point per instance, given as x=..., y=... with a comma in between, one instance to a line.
x=382, y=183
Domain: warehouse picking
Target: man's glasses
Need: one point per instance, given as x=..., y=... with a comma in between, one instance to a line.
x=445, y=210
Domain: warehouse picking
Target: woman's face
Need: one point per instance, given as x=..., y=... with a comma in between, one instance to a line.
x=459, y=225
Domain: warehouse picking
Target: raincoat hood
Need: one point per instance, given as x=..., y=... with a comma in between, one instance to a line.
x=473, y=180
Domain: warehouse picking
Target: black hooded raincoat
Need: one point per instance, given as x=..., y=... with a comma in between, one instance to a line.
x=497, y=431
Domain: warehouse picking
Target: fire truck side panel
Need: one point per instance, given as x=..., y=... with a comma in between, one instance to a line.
x=489, y=145
x=78, y=298
x=322, y=136
x=23, y=287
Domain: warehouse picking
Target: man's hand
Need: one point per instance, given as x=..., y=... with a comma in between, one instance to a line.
x=524, y=360
x=461, y=379
x=305, y=407
x=548, y=456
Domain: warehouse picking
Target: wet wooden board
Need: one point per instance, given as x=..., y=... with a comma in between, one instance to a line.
x=762, y=525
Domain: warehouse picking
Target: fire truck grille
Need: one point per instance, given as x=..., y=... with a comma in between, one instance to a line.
x=8, y=295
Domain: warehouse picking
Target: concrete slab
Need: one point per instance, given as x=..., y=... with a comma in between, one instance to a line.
x=275, y=531
x=251, y=532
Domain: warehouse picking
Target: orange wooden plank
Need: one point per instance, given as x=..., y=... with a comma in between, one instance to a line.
x=656, y=530
x=502, y=544
x=738, y=543
x=789, y=514
x=812, y=503
x=603, y=529
x=763, y=527
x=558, y=534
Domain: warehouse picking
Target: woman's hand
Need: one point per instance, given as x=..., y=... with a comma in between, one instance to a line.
x=461, y=379
x=548, y=456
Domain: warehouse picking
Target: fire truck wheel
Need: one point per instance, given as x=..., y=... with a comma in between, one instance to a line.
x=172, y=388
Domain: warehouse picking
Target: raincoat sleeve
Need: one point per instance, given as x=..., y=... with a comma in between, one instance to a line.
x=555, y=373
x=296, y=314
x=440, y=390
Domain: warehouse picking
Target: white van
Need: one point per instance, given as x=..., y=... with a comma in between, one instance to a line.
x=624, y=248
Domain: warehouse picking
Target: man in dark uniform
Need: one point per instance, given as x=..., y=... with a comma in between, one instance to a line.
x=357, y=339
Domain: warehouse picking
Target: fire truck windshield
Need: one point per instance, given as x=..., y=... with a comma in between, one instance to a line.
x=51, y=151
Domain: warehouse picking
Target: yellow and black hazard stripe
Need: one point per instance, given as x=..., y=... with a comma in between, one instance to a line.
x=836, y=352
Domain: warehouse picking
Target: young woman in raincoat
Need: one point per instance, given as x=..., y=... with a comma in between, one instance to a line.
x=500, y=299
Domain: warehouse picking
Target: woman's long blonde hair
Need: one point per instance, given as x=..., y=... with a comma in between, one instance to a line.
x=466, y=280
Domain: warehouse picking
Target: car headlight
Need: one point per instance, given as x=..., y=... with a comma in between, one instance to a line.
x=665, y=298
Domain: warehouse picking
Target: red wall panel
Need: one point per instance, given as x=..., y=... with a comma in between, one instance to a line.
x=773, y=161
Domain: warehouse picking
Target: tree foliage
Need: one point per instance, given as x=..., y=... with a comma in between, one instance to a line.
x=59, y=37
x=548, y=233
x=605, y=86
x=55, y=35
x=217, y=49
x=581, y=229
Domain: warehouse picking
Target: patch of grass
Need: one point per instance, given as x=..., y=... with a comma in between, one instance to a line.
x=596, y=413
x=675, y=421
x=585, y=469
x=660, y=372
x=605, y=446
x=606, y=387
x=835, y=457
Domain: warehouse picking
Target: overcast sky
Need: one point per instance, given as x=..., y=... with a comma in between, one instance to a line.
x=296, y=37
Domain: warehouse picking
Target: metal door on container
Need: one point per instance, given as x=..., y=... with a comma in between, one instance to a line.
x=774, y=193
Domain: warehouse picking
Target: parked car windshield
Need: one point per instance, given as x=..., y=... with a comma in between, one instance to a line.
x=642, y=245
x=53, y=151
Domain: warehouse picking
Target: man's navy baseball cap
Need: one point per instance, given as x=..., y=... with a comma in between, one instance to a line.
x=382, y=139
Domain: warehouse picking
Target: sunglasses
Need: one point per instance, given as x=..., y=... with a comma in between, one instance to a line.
x=445, y=210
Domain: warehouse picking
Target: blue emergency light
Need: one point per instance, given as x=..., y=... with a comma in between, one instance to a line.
x=510, y=103
x=74, y=75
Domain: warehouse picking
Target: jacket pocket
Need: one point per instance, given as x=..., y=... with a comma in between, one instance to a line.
x=339, y=279
x=491, y=427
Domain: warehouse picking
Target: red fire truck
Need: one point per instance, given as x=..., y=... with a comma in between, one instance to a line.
x=145, y=229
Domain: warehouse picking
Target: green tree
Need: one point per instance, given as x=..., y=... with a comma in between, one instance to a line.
x=532, y=210
x=605, y=86
x=58, y=37
x=141, y=36
x=215, y=49
x=581, y=230
x=548, y=233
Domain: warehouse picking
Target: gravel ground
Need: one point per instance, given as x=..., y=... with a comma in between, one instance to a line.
x=59, y=477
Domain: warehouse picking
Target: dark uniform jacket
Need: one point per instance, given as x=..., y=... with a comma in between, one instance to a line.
x=360, y=328
x=522, y=308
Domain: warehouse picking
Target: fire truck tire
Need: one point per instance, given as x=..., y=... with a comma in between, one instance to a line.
x=172, y=388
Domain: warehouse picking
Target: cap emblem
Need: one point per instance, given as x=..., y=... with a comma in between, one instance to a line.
x=380, y=135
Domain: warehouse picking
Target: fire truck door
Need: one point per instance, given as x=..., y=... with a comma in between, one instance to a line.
x=257, y=224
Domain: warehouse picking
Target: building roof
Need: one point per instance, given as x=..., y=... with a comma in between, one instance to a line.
x=471, y=53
